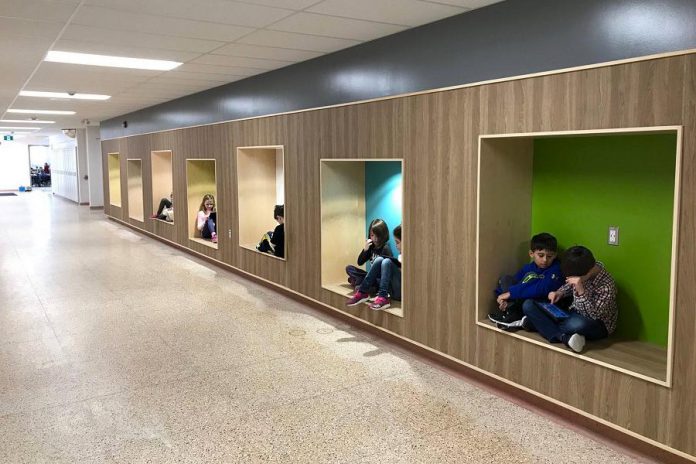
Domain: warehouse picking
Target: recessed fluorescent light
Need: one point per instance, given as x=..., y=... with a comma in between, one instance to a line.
x=28, y=121
x=75, y=96
x=110, y=61
x=40, y=112
x=6, y=128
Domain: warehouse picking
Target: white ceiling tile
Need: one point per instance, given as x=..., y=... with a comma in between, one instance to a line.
x=233, y=61
x=5, y=93
x=196, y=33
x=45, y=104
x=175, y=85
x=86, y=79
x=178, y=76
x=162, y=94
x=218, y=11
x=331, y=26
x=405, y=12
x=125, y=101
x=131, y=51
x=138, y=22
x=5, y=103
x=23, y=51
x=135, y=39
x=289, y=4
x=19, y=57
x=471, y=4
x=12, y=82
x=44, y=10
x=297, y=41
x=11, y=28
x=269, y=53
x=67, y=70
x=229, y=72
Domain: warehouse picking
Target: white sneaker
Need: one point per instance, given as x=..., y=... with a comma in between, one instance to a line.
x=576, y=342
x=519, y=324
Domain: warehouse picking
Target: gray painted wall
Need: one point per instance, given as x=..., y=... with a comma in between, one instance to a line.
x=505, y=39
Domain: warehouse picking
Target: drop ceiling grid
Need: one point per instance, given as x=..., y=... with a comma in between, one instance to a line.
x=219, y=41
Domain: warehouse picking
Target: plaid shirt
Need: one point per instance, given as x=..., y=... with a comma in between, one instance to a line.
x=599, y=299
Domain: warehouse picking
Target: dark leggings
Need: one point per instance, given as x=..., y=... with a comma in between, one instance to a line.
x=208, y=229
x=355, y=275
x=164, y=203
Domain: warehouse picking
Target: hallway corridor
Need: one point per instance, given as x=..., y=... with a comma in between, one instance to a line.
x=117, y=348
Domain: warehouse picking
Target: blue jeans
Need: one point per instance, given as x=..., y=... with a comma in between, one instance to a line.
x=385, y=275
x=591, y=329
x=208, y=229
x=355, y=275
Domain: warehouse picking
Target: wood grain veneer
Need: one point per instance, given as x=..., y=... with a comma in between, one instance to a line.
x=135, y=189
x=114, y=175
x=200, y=181
x=162, y=176
x=257, y=192
x=436, y=134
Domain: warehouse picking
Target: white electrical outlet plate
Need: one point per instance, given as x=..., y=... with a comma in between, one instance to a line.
x=613, y=235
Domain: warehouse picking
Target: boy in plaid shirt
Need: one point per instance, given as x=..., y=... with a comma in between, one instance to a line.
x=593, y=312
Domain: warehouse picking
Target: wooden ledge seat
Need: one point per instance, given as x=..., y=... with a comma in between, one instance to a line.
x=344, y=289
x=645, y=359
x=205, y=242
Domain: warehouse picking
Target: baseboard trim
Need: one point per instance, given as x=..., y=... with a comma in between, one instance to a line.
x=600, y=429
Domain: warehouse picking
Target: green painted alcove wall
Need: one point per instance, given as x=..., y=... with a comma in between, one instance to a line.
x=584, y=184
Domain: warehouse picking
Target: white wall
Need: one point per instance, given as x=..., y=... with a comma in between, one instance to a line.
x=94, y=167
x=64, y=167
x=14, y=162
x=82, y=171
x=39, y=154
x=280, y=179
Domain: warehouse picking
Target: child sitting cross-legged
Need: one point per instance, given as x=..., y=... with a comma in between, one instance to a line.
x=385, y=273
x=593, y=312
x=535, y=280
x=376, y=245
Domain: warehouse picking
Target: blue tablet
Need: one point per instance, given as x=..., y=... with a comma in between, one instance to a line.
x=553, y=311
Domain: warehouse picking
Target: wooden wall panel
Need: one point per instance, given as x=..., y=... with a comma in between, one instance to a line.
x=163, y=141
x=436, y=135
x=162, y=178
x=114, y=166
x=502, y=223
x=135, y=189
x=342, y=217
x=109, y=146
x=256, y=191
x=137, y=148
x=201, y=181
x=684, y=399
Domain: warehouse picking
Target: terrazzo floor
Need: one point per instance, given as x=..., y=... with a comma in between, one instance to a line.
x=116, y=348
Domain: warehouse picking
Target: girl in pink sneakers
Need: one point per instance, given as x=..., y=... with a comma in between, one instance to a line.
x=385, y=273
x=376, y=245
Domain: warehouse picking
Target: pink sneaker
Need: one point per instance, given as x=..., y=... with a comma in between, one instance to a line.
x=357, y=298
x=214, y=239
x=380, y=303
